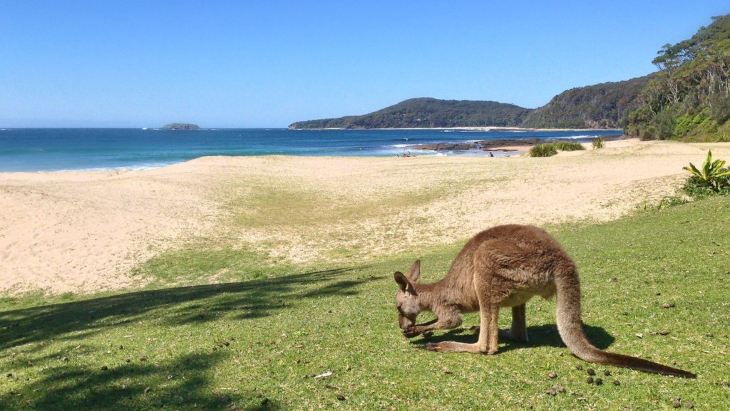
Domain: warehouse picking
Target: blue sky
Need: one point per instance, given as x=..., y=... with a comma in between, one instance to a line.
x=269, y=63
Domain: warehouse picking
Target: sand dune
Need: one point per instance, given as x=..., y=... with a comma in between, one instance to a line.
x=86, y=231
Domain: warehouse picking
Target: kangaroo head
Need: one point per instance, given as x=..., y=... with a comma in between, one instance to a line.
x=406, y=301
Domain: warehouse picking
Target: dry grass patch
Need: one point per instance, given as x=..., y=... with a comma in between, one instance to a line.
x=295, y=206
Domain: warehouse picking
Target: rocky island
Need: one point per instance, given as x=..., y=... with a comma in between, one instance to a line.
x=180, y=126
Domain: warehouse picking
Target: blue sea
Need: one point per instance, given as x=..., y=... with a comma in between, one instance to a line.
x=137, y=149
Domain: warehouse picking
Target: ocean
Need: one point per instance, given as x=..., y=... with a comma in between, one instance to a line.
x=31, y=150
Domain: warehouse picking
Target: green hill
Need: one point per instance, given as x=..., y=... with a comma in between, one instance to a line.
x=428, y=113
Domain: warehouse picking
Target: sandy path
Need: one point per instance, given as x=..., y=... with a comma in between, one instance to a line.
x=86, y=231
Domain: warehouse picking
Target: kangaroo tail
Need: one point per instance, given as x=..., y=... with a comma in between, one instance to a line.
x=570, y=326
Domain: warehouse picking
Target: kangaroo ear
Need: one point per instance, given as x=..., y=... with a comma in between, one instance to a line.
x=415, y=272
x=403, y=283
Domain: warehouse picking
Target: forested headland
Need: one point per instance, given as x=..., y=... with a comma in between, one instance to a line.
x=688, y=98
x=600, y=106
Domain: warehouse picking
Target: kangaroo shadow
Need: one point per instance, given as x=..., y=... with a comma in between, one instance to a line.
x=545, y=335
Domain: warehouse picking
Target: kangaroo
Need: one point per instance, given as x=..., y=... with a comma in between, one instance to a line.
x=505, y=266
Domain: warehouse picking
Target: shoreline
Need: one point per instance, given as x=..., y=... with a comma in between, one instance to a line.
x=504, y=146
x=34, y=151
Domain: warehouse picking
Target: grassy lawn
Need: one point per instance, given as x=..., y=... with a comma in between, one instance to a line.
x=222, y=328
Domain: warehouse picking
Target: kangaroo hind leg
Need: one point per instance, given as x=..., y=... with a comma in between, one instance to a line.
x=518, y=332
x=488, y=335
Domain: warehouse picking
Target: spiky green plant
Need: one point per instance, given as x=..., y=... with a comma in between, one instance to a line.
x=598, y=143
x=712, y=175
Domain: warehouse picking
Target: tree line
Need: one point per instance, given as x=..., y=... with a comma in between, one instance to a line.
x=689, y=97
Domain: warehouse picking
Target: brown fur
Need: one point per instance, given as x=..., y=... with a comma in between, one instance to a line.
x=504, y=267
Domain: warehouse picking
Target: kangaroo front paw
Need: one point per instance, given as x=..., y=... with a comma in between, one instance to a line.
x=412, y=332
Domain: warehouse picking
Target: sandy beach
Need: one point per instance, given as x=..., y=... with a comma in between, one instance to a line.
x=87, y=231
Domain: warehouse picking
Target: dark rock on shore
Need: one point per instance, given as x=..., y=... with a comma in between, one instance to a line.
x=484, y=145
x=499, y=145
x=447, y=146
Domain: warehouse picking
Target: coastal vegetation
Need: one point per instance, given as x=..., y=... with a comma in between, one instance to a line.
x=711, y=178
x=551, y=149
x=568, y=146
x=689, y=98
x=598, y=106
x=543, y=150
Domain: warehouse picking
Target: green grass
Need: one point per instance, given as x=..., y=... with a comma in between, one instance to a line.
x=255, y=341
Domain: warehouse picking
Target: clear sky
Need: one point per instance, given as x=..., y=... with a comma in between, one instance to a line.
x=268, y=63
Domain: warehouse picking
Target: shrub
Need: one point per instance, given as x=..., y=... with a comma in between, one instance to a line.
x=543, y=150
x=568, y=146
x=693, y=124
x=598, y=143
x=712, y=178
x=695, y=189
x=665, y=121
x=551, y=149
x=649, y=133
x=720, y=111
